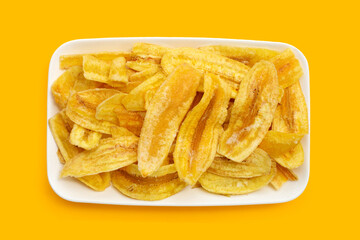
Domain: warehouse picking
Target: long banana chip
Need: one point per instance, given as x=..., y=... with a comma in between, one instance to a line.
x=81, y=109
x=106, y=110
x=84, y=138
x=205, y=62
x=248, y=56
x=135, y=101
x=62, y=86
x=133, y=121
x=198, y=137
x=257, y=164
x=67, y=61
x=111, y=154
x=291, y=159
x=149, y=188
x=118, y=71
x=146, y=50
x=252, y=113
x=234, y=186
x=288, y=68
x=164, y=115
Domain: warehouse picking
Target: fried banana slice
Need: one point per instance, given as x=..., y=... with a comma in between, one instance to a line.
x=133, y=121
x=198, y=137
x=288, y=68
x=246, y=55
x=135, y=101
x=164, y=115
x=61, y=88
x=257, y=164
x=67, y=61
x=111, y=154
x=252, y=113
x=205, y=62
x=61, y=132
x=96, y=69
x=81, y=109
x=146, y=50
x=149, y=188
x=291, y=159
x=133, y=170
x=106, y=110
x=282, y=175
x=118, y=71
x=142, y=64
x=291, y=115
x=84, y=138
x=276, y=143
x=235, y=186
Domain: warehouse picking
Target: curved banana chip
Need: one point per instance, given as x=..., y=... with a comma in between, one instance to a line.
x=106, y=110
x=252, y=112
x=257, y=164
x=235, y=186
x=198, y=137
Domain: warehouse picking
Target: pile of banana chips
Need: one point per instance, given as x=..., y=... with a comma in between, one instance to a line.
x=156, y=119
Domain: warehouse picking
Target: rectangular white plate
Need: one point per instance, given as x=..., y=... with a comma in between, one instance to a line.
x=72, y=190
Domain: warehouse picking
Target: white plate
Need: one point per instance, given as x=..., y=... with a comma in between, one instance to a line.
x=72, y=190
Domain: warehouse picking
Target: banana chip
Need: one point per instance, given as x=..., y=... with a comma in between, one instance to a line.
x=82, y=84
x=67, y=61
x=135, y=101
x=84, y=138
x=106, y=110
x=288, y=68
x=248, y=56
x=257, y=164
x=98, y=182
x=142, y=64
x=198, y=137
x=252, y=113
x=146, y=50
x=164, y=116
x=234, y=186
x=149, y=188
x=118, y=71
x=282, y=175
x=144, y=74
x=291, y=159
x=205, y=62
x=62, y=86
x=276, y=143
x=96, y=69
x=81, y=109
x=133, y=121
x=111, y=154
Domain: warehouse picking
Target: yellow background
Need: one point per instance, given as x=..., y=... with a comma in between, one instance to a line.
x=326, y=33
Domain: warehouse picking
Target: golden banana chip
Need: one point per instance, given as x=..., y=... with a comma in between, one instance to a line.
x=276, y=143
x=118, y=71
x=81, y=109
x=248, y=56
x=67, y=61
x=282, y=175
x=234, y=186
x=133, y=121
x=146, y=50
x=106, y=110
x=133, y=170
x=98, y=182
x=142, y=64
x=167, y=109
x=111, y=154
x=149, y=188
x=96, y=69
x=291, y=115
x=288, y=68
x=197, y=140
x=257, y=164
x=252, y=113
x=291, y=159
x=62, y=86
x=205, y=62
x=135, y=101
x=84, y=138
